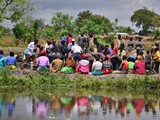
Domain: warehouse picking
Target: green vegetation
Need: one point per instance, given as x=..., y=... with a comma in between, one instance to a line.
x=58, y=82
x=143, y=18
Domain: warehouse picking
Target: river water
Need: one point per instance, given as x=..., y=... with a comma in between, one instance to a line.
x=90, y=107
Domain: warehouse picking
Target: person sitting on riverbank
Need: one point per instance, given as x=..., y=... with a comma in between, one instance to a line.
x=131, y=65
x=11, y=61
x=2, y=60
x=124, y=65
x=43, y=62
x=83, y=65
x=30, y=56
x=56, y=64
x=140, y=67
x=69, y=65
x=97, y=66
x=107, y=66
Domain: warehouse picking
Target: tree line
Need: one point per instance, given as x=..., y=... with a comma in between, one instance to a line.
x=27, y=28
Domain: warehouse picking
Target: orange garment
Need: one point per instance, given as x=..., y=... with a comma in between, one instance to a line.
x=56, y=65
x=124, y=64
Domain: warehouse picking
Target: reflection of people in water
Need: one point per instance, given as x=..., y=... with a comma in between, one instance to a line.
x=2, y=105
x=68, y=103
x=105, y=102
x=82, y=103
x=154, y=107
x=129, y=106
x=10, y=106
x=41, y=107
x=138, y=106
x=55, y=104
x=95, y=102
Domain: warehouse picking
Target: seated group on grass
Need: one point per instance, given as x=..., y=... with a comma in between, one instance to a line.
x=75, y=58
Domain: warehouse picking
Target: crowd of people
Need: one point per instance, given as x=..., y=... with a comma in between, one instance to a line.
x=88, y=56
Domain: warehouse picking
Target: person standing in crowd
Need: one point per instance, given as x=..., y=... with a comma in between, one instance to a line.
x=156, y=58
x=69, y=38
x=43, y=62
x=76, y=50
x=11, y=60
x=82, y=42
x=100, y=47
x=119, y=40
x=71, y=44
x=63, y=49
x=32, y=49
x=148, y=61
x=139, y=46
x=2, y=59
x=130, y=44
x=91, y=41
x=114, y=57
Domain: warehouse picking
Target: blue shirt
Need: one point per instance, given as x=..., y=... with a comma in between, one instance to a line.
x=2, y=61
x=11, y=60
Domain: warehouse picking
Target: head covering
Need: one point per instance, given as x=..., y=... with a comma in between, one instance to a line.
x=63, y=39
x=43, y=52
x=84, y=56
x=73, y=39
x=139, y=57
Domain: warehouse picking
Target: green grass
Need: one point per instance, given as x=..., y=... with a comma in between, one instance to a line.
x=33, y=82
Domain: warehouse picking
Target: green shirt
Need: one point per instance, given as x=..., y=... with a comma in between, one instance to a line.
x=131, y=65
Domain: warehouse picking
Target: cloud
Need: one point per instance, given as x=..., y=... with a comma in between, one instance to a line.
x=112, y=9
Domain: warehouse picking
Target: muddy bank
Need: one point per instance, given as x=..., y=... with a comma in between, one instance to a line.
x=74, y=76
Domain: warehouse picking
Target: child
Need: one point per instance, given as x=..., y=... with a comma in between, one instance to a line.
x=11, y=60
x=124, y=65
x=107, y=66
x=131, y=65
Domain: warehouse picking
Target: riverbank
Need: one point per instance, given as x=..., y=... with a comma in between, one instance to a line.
x=30, y=80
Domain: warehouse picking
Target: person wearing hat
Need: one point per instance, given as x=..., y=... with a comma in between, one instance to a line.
x=56, y=64
x=83, y=65
x=43, y=61
x=71, y=44
x=76, y=50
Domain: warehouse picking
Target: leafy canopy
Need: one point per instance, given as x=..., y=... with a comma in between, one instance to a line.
x=14, y=10
x=143, y=18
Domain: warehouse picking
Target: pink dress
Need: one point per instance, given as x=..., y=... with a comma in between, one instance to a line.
x=140, y=67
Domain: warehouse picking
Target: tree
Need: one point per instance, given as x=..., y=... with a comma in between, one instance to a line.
x=143, y=19
x=14, y=10
x=18, y=31
x=4, y=31
x=156, y=21
x=61, y=21
x=89, y=22
x=48, y=32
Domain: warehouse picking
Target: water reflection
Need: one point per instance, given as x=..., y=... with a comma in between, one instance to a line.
x=78, y=107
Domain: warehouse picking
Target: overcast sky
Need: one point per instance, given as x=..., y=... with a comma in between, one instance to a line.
x=112, y=9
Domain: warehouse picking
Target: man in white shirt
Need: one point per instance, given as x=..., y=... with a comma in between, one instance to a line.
x=76, y=50
x=30, y=57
